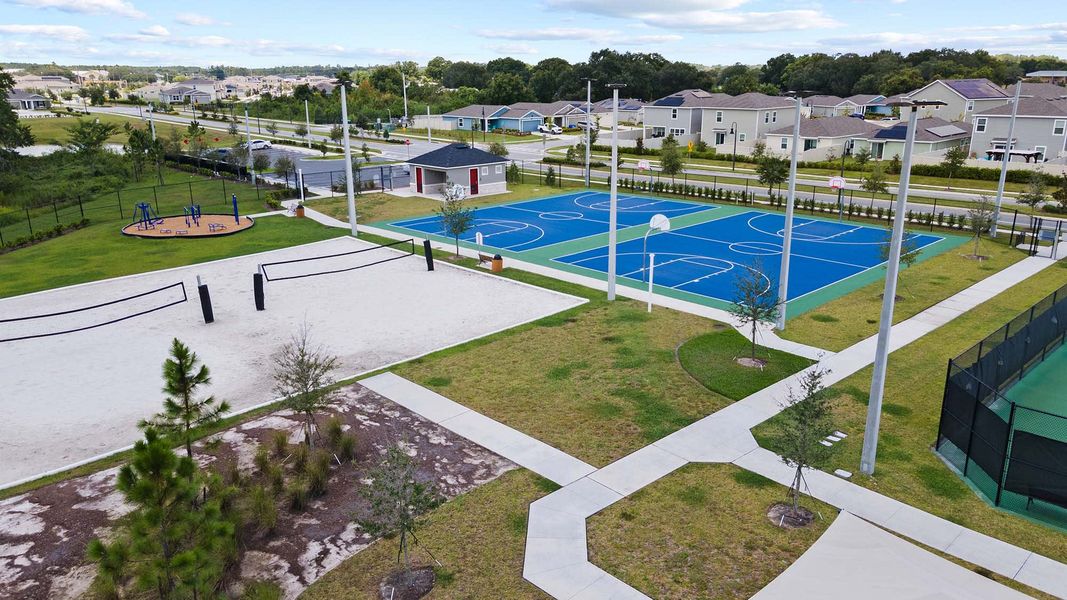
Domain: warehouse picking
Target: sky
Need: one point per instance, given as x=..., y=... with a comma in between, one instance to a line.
x=710, y=32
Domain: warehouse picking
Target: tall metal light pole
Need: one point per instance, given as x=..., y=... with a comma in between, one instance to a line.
x=151, y=124
x=787, y=234
x=248, y=145
x=614, y=203
x=588, y=124
x=1004, y=161
x=881, y=356
x=733, y=157
x=307, y=121
x=348, y=161
x=404, y=85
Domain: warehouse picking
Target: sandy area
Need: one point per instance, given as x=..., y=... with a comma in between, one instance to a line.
x=70, y=397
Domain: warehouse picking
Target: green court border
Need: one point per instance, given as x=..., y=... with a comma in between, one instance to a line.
x=544, y=255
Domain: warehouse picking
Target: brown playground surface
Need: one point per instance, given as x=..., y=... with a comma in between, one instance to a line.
x=211, y=225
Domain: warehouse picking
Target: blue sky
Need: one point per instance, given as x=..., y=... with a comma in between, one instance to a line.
x=265, y=33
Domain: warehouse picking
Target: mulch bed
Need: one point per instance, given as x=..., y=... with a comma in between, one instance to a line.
x=43, y=533
x=412, y=585
x=782, y=515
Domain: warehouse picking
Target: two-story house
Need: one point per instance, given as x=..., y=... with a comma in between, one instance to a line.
x=820, y=137
x=932, y=134
x=678, y=114
x=827, y=106
x=743, y=119
x=1039, y=132
x=963, y=98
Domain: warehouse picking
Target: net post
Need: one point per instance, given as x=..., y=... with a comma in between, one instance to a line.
x=1003, y=475
x=205, y=301
x=428, y=251
x=944, y=400
x=29, y=222
x=81, y=208
x=257, y=288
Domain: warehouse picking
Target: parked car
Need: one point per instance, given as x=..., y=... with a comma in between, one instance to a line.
x=259, y=145
x=553, y=129
x=583, y=125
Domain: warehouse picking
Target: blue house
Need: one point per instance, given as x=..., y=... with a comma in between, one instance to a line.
x=491, y=117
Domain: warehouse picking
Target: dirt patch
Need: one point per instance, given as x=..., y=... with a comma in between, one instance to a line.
x=43, y=533
x=407, y=585
x=978, y=257
x=782, y=515
x=752, y=363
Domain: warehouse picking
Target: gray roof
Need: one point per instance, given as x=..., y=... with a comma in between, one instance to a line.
x=974, y=89
x=631, y=104
x=560, y=107
x=1039, y=90
x=24, y=95
x=456, y=155
x=1031, y=107
x=863, y=99
x=694, y=98
x=830, y=127
x=474, y=110
x=752, y=101
x=199, y=81
x=823, y=100
x=178, y=89
x=931, y=129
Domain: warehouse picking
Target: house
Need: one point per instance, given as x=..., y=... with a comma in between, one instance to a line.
x=23, y=100
x=1048, y=91
x=1039, y=132
x=820, y=137
x=565, y=113
x=963, y=98
x=742, y=120
x=45, y=83
x=479, y=172
x=932, y=134
x=150, y=93
x=884, y=107
x=1049, y=76
x=678, y=114
x=491, y=117
x=631, y=110
x=865, y=102
x=181, y=94
x=827, y=106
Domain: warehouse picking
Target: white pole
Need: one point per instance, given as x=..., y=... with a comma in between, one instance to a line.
x=588, y=125
x=404, y=84
x=1004, y=161
x=152, y=124
x=651, y=274
x=881, y=357
x=248, y=145
x=348, y=163
x=614, y=204
x=300, y=182
x=307, y=121
x=428, y=138
x=787, y=236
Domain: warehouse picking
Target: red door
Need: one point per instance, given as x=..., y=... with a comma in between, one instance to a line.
x=418, y=179
x=474, y=181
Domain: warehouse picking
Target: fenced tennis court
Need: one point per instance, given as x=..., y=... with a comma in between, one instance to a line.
x=79, y=391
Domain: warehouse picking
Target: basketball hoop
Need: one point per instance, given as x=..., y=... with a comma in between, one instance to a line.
x=837, y=183
x=642, y=165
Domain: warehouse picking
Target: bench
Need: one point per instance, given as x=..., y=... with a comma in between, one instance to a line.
x=216, y=227
x=181, y=232
x=485, y=259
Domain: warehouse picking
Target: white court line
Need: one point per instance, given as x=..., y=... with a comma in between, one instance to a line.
x=794, y=254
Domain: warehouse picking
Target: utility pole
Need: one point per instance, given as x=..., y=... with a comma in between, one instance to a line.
x=429, y=138
x=1004, y=161
x=885, y=326
x=613, y=216
x=787, y=234
x=248, y=146
x=348, y=162
x=588, y=125
x=307, y=121
x=404, y=84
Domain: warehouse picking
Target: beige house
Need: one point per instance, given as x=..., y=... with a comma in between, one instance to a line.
x=678, y=114
x=932, y=135
x=963, y=98
x=742, y=120
x=819, y=138
x=1040, y=132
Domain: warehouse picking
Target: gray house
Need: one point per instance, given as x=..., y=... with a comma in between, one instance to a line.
x=679, y=115
x=743, y=119
x=964, y=98
x=479, y=172
x=1039, y=131
x=23, y=100
x=1048, y=91
x=828, y=106
x=820, y=137
x=931, y=135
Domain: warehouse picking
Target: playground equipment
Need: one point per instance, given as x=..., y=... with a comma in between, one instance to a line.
x=192, y=215
x=144, y=217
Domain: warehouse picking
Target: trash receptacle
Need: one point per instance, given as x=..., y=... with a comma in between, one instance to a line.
x=498, y=263
x=300, y=210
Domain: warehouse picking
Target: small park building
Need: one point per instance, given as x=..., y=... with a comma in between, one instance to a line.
x=481, y=173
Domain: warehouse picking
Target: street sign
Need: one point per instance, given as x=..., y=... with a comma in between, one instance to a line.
x=642, y=165
x=836, y=182
x=690, y=145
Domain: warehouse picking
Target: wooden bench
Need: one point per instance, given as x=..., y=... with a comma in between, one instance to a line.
x=485, y=259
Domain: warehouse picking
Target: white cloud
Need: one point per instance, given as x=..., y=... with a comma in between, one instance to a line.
x=155, y=31
x=711, y=16
x=636, y=8
x=67, y=33
x=121, y=8
x=513, y=49
x=194, y=19
x=600, y=36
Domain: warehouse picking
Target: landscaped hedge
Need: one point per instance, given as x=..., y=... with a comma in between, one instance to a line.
x=40, y=236
x=594, y=164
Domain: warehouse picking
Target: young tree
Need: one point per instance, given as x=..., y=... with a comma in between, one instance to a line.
x=862, y=157
x=498, y=148
x=772, y=171
x=272, y=128
x=337, y=134
x=456, y=217
x=397, y=499
x=979, y=221
x=755, y=300
x=195, y=136
x=232, y=129
x=283, y=165
x=138, y=148
x=183, y=412
x=874, y=182
x=1035, y=192
x=260, y=162
x=513, y=174
x=550, y=176
x=301, y=130
x=670, y=160
x=302, y=375
x=364, y=151
x=88, y=136
x=953, y=161
x=594, y=131
x=322, y=147
x=909, y=252
x=807, y=419
x=759, y=150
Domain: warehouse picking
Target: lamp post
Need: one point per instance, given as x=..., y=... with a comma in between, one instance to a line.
x=307, y=122
x=614, y=203
x=1004, y=161
x=787, y=234
x=588, y=123
x=404, y=84
x=733, y=157
x=348, y=161
x=881, y=357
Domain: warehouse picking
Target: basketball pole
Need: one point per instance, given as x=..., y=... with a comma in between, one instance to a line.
x=881, y=357
x=588, y=124
x=787, y=235
x=614, y=208
x=348, y=162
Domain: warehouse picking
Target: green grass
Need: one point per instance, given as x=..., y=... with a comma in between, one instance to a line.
x=54, y=131
x=479, y=537
x=464, y=136
x=907, y=469
x=700, y=532
x=844, y=321
x=709, y=358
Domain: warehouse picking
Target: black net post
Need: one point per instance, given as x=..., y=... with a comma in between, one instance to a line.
x=1007, y=451
x=224, y=195
x=118, y=195
x=428, y=251
x=205, y=301
x=257, y=289
x=29, y=223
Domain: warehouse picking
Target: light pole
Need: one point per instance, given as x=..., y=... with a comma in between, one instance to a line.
x=151, y=123
x=733, y=157
x=588, y=124
x=348, y=161
x=881, y=357
x=404, y=85
x=1004, y=161
x=307, y=122
x=614, y=203
x=248, y=145
x=787, y=234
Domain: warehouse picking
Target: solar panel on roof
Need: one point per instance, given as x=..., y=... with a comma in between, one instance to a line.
x=701, y=94
x=976, y=88
x=946, y=130
x=670, y=101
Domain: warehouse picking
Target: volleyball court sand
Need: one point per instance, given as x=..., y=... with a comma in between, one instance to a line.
x=70, y=397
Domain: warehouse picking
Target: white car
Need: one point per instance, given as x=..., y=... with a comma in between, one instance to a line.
x=260, y=145
x=553, y=129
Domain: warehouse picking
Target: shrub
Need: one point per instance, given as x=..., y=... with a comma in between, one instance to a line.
x=275, y=478
x=334, y=429
x=262, y=590
x=299, y=458
x=262, y=459
x=318, y=473
x=297, y=495
x=279, y=443
x=346, y=448
x=261, y=507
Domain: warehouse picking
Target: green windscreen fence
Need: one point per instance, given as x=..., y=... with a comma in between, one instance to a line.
x=1008, y=440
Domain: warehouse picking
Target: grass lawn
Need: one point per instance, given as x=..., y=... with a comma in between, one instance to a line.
x=700, y=532
x=100, y=252
x=907, y=469
x=54, y=131
x=840, y=323
x=702, y=356
x=479, y=537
